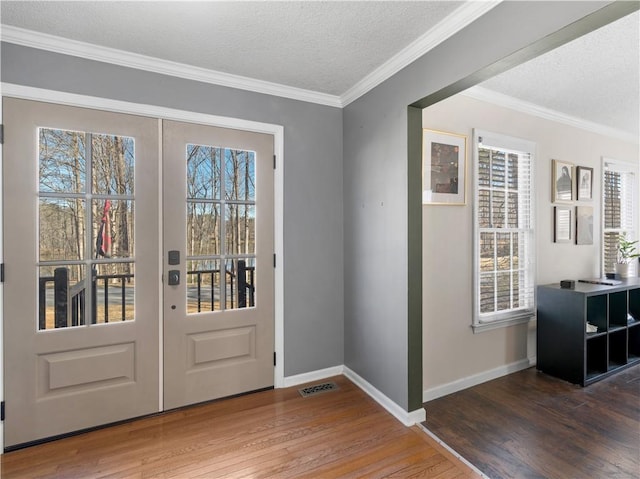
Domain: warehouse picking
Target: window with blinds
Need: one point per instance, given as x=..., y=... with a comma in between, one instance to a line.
x=504, y=231
x=619, y=200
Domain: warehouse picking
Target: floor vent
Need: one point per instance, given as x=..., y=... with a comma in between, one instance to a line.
x=317, y=389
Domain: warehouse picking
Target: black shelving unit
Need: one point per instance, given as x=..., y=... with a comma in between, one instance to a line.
x=567, y=351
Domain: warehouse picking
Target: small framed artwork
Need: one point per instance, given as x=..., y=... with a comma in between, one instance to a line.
x=584, y=183
x=584, y=225
x=443, y=168
x=561, y=224
x=561, y=182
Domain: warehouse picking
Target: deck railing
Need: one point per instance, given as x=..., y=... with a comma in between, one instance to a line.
x=69, y=301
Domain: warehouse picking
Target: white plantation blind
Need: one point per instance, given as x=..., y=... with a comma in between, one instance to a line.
x=619, y=201
x=504, y=230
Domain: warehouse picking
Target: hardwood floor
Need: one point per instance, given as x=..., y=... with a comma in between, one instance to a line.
x=270, y=434
x=530, y=425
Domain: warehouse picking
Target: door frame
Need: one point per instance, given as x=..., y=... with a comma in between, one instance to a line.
x=164, y=113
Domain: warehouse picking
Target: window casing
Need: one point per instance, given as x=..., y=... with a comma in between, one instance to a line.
x=619, y=210
x=504, y=235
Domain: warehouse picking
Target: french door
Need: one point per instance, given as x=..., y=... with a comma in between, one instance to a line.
x=90, y=290
x=219, y=284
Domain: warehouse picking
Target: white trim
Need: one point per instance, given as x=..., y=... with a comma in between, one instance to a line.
x=502, y=323
x=495, y=98
x=311, y=376
x=464, y=15
x=1, y=287
x=452, y=451
x=474, y=380
x=406, y=418
x=51, y=96
x=43, y=41
x=510, y=317
x=452, y=24
x=160, y=268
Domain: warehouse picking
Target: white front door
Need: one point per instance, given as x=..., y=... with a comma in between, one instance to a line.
x=81, y=296
x=218, y=262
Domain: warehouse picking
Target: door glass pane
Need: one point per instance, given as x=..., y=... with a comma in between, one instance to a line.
x=113, y=294
x=62, y=164
x=221, y=215
x=203, y=229
x=240, y=229
x=61, y=229
x=112, y=164
x=203, y=286
x=61, y=296
x=113, y=229
x=240, y=175
x=203, y=172
x=240, y=286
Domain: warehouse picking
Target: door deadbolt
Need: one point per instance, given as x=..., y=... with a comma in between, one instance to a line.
x=174, y=277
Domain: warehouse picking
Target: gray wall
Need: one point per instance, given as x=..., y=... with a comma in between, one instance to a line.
x=313, y=281
x=377, y=326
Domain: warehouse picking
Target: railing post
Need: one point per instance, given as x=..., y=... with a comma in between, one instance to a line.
x=199, y=283
x=252, y=289
x=42, y=311
x=124, y=298
x=242, y=284
x=106, y=300
x=61, y=297
x=94, y=296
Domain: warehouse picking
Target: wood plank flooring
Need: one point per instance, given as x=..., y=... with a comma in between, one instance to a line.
x=530, y=425
x=270, y=434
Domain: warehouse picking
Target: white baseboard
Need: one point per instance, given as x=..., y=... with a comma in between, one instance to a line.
x=406, y=418
x=469, y=381
x=313, y=376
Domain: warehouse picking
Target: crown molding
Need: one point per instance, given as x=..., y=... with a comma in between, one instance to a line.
x=452, y=24
x=43, y=41
x=499, y=99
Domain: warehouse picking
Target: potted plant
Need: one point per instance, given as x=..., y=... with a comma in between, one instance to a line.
x=626, y=253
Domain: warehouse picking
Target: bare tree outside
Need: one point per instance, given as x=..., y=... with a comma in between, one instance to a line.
x=66, y=159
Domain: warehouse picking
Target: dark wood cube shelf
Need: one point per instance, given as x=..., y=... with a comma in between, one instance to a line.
x=565, y=348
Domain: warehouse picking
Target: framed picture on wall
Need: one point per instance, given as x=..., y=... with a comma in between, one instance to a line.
x=584, y=225
x=561, y=224
x=584, y=183
x=561, y=181
x=444, y=165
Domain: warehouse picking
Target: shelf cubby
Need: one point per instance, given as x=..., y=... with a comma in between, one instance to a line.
x=597, y=312
x=597, y=362
x=617, y=309
x=633, y=345
x=634, y=303
x=617, y=348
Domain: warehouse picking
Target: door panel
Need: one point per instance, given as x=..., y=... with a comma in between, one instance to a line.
x=81, y=302
x=218, y=217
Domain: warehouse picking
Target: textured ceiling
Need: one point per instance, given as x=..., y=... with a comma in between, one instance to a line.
x=596, y=77
x=320, y=46
x=328, y=47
